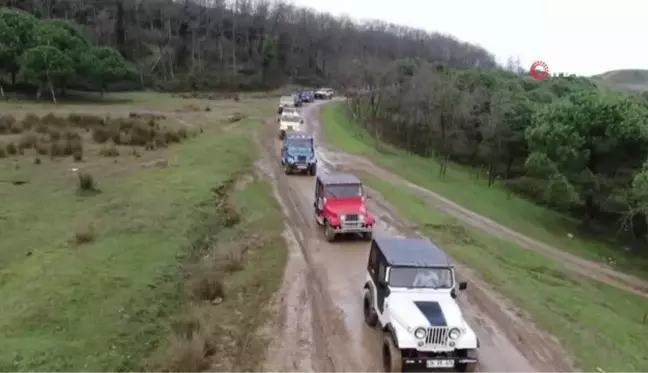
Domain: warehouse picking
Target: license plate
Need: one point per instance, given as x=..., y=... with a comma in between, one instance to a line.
x=440, y=363
x=301, y=167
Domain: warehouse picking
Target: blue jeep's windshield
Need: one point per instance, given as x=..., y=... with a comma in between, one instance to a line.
x=299, y=146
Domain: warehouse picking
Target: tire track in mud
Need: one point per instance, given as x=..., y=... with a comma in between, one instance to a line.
x=508, y=341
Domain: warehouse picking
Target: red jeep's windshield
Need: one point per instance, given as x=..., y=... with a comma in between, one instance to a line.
x=344, y=190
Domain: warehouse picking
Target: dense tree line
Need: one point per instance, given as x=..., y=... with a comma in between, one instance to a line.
x=562, y=141
x=54, y=54
x=245, y=44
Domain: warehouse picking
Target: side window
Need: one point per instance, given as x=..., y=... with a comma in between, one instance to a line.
x=382, y=270
x=373, y=258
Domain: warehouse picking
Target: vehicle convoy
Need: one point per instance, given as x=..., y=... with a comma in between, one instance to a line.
x=324, y=94
x=340, y=206
x=410, y=292
x=298, y=153
x=289, y=123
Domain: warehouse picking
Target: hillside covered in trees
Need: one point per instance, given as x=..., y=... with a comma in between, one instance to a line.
x=563, y=142
x=245, y=44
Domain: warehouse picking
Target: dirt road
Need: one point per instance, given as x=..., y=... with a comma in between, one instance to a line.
x=584, y=267
x=321, y=326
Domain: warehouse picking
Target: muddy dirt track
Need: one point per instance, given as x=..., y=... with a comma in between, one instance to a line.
x=321, y=326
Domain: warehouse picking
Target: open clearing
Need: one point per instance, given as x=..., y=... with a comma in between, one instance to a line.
x=461, y=186
x=164, y=255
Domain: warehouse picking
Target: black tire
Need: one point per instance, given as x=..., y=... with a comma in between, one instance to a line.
x=468, y=367
x=370, y=316
x=282, y=134
x=312, y=170
x=392, y=358
x=367, y=236
x=287, y=170
x=329, y=233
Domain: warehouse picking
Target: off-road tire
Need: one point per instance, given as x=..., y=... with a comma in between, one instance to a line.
x=468, y=367
x=287, y=170
x=370, y=316
x=329, y=232
x=282, y=134
x=367, y=236
x=312, y=170
x=392, y=358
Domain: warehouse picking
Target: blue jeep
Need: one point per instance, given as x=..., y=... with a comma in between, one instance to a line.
x=307, y=95
x=298, y=154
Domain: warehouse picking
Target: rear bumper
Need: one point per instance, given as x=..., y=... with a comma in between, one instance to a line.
x=421, y=364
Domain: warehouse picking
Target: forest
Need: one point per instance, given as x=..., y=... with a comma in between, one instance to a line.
x=564, y=142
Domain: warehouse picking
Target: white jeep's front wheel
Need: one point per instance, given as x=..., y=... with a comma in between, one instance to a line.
x=369, y=313
x=392, y=358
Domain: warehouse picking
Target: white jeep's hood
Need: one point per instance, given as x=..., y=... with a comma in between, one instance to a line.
x=424, y=308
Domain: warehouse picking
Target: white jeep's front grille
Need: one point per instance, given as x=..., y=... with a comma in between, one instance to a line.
x=437, y=336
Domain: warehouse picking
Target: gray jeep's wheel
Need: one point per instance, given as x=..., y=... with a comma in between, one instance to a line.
x=392, y=358
x=370, y=316
x=329, y=232
x=468, y=367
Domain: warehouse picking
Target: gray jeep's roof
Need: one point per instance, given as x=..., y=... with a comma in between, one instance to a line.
x=338, y=178
x=412, y=252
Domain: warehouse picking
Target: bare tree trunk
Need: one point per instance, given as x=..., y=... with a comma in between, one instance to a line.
x=51, y=88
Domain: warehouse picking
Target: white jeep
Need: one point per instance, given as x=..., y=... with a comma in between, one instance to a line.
x=410, y=291
x=289, y=123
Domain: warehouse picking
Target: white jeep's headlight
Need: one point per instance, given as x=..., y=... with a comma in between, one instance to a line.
x=420, y=333
x=454, y=333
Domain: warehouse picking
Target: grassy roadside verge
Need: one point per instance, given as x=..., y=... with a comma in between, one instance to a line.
x=152, y=234
x=603, y=327
x=461, y=186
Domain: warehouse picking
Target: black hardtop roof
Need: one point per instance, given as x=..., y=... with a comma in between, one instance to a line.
x=338, y=178
x=412, y=252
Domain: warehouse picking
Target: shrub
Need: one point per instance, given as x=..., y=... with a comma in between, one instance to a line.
x=86, y=182
x=3, y=152
x=109, y=150
x=84, y=234
x=52, y=120
x=31, y=121
x=100, y=135
x=42, y=148
x=37, y=160
x=207, y=285
x=11, y=148
x=28, y=140
x=7, y=123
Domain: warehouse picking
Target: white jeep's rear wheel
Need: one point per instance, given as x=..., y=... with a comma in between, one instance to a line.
x=392, y=358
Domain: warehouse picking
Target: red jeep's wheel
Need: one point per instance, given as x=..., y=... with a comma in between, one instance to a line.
x=329, y=232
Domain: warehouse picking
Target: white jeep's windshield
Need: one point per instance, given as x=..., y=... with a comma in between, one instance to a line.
x=290, y=110
x=289, y=118
x=343, y=190
x=287, y=100
x=414, y=277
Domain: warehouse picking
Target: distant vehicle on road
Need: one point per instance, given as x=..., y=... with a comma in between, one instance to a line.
x=340, y=206
x=298, y=101
x=285, y=102
x=410, y=290
x=298, y=153
x=307, y=95
x=289, y=123
x=324, y=94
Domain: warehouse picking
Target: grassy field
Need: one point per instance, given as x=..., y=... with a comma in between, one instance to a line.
x=461, y=186
x=162, y=261
x=603, y=327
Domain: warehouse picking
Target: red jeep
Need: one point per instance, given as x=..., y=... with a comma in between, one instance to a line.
x=340, y=206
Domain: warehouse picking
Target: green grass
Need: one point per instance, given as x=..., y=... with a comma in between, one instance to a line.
x=600, y=325
x=103, y=305
x=461, y=186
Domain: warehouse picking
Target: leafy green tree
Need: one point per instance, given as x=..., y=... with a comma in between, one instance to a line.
x=16, y=36
x=102, y=66
x=48, y=66
x=588, y=146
